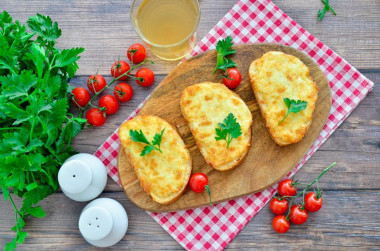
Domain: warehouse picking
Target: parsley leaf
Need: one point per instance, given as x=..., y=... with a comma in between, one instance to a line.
x=224, y=49
x=322, y=12
x=229, y=129
x=35, y=126
x=293, y=106
x=138, y=136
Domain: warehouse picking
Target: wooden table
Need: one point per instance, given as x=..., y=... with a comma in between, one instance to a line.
x=349, y=217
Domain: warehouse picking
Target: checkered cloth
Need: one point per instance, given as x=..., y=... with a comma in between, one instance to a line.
x=214, y=227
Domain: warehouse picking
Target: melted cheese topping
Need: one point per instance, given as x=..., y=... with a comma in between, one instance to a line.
x=204, y=106
x=276, y=76
x=160, y=174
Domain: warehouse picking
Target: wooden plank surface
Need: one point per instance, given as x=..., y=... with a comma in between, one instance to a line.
x=349, y=216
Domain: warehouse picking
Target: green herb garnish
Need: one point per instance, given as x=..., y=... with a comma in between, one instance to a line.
x=137, y=136
x=36, y=127
x=224, y=49
x=293, y=106
x=322, y=12
x=229, y=129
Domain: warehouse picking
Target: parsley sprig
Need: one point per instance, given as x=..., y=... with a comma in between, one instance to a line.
x=36, y=127
x=228, y=130
x=137, y=136
x=223, y=48
x=293, y=106
x=322, y=12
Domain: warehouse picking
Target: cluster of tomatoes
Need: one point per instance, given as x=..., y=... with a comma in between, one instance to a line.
x=122, y=92
x=297, y=214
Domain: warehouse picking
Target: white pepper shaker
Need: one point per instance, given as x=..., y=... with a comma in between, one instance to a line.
x=82, y=177
x=103, y=222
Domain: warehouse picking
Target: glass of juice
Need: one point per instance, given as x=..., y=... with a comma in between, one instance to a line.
x=168, y=27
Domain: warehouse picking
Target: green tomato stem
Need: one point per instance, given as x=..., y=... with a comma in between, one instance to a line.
x=81, y=110
x=308, y=186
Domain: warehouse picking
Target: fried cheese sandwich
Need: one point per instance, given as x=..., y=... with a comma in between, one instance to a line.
x=163, y=175
x=204, y=106
x=276, y=76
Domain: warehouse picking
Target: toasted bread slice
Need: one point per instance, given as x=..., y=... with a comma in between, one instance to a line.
x=205, y=105
x=276, y=76
x=163, y=176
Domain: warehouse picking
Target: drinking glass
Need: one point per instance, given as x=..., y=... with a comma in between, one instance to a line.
x=167, y=27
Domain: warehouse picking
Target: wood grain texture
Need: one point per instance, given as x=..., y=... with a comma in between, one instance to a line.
x=345, y=221
x=266, y=162
x=352, y=187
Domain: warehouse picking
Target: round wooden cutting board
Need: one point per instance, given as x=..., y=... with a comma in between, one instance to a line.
x=266, y=162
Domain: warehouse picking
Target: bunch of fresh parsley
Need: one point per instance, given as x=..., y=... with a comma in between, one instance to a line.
x=228, y=130
x=35, y=126
x=223, y=48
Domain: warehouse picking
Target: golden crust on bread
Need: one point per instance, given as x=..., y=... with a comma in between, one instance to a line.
x=205, y=105
x=276, y=76
x=163, y=176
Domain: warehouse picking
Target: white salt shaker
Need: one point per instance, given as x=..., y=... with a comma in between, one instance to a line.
x=103, y=222
x=82, y=177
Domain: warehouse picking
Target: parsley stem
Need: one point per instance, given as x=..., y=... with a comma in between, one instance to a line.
x=158, y=149
x=16, y=211
x=284, y=117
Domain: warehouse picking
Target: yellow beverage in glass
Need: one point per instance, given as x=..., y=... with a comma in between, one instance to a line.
x=168, y=27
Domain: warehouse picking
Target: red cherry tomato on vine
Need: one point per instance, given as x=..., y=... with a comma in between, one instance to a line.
x=123, y=92
x=119, y=68
x=199, y=182
x=298, y=216
x=95, y=117
x=95, y=83
x=81, y=97
x=278, y=206
x=312, y=204
x=234, y=78
x=110, y=103
x=145, y=77
x=138, y=51
x=287, y=188
x=280, y=224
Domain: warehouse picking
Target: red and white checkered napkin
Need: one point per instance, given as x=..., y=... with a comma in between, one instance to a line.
x=212, y=228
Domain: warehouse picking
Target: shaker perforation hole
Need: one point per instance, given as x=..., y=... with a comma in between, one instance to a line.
x=98, y=226
x=73, y=175
x=89, y=224
x=96, y=218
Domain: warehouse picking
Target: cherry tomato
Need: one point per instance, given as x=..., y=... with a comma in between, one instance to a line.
x=287, y=188
x=123, y=92
x=110, y=103
x=145, y=77
x=234, y=78
x=280, y=224
x=118, y=68
x=278, y=206
x=312, y=204
x=298, y=216
x=199, y=182
x=95, y=83
x=81, y=97
x=138, y=51
x=95, y=117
